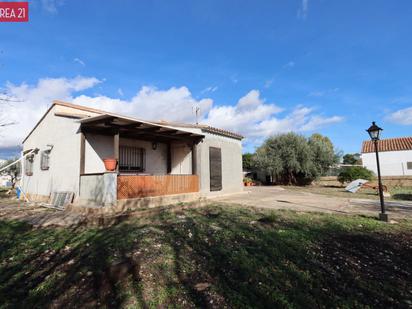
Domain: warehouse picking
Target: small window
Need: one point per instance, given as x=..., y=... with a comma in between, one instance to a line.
x=409, y=165
x=28, y=166
x=131, y=159
x=44, y=162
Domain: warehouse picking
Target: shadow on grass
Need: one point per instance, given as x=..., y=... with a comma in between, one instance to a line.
x=402, y=196
x=208, y=257
x=67, y=268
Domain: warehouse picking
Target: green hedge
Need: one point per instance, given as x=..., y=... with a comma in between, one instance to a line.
x=352, y=173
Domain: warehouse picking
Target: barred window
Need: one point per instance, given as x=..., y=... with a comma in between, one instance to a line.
x=28, y=165
x=131, y=159
x=44, y=161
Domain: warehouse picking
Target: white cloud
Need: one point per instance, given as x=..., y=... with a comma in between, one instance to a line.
x=303, y=9
x=290, y=64
x=33, y=100
x=251, y=116
x=210, y=89
x=152, y=104
x=402, y=116
x=321, y=93
x=120, y=92
x=256, y=119
x=51, y=6
x=268, y=83
x=79, y=61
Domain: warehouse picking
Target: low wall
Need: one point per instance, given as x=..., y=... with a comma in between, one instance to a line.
x=389, y=181
x=139, y=204
x=98, y=189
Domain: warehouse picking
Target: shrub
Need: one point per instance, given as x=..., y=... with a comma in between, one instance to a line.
x=247, y=179
x=352, y=173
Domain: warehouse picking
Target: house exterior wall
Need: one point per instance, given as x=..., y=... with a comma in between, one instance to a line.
x=99, y=147
x=63, y=174
x=156, y=160
x=392, y=163
x=232, y=177
x=232, y=174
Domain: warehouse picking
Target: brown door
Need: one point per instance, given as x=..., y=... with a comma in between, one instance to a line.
x=215, y=166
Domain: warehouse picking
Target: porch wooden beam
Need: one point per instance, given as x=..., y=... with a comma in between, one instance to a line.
x=116, y=146
x=142, y=134
x=98, y=121
x=82, y=152
x=163, y=135
x=169, y=158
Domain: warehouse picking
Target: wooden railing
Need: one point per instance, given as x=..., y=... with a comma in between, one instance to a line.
x=135, y=186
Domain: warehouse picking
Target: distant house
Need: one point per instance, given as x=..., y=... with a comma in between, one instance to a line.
x=395, y=156
x=5, y=181
x=158, y=162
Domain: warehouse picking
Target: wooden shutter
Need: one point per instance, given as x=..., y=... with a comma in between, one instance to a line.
x=215, y=166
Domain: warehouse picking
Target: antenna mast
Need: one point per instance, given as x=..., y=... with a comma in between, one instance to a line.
x=197, y=112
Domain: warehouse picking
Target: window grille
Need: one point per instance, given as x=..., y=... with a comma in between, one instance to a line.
x=44, y=162
x=132, y=159
x=28, y=166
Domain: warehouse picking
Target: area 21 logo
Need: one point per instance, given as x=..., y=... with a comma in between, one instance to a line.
x=14, y=11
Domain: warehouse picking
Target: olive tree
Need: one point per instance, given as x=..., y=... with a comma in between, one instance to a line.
x=12, y=171
x=293, y=159
x=323, y=153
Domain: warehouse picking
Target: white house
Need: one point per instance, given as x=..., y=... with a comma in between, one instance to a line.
x=158, y=162
x=395, y=156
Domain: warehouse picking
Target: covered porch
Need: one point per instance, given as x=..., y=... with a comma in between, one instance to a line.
x=153, y=160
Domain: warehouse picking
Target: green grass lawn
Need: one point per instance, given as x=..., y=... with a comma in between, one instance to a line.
x=216, y=256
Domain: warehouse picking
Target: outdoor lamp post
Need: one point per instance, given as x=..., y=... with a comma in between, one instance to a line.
x=374, y=132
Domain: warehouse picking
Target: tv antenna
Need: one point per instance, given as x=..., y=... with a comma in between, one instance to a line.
x=197, y=113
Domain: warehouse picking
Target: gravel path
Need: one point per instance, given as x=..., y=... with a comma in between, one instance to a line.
x=277, y=197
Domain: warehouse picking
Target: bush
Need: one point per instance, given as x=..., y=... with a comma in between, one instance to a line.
x=247, y=179
x=352, y=173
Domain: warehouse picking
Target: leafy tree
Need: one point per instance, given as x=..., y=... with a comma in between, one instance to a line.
x=293, y=159
x=287, y=158
x=247, y=161
x=352, y=158
x=12, y=171
x=323, y=153
x=352, y=173
x=5, y=102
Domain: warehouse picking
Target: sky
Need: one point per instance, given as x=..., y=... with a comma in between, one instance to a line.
x=258, y=68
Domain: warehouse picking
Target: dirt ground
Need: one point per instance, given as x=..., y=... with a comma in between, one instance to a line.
x=36, y=215
x=277, y=197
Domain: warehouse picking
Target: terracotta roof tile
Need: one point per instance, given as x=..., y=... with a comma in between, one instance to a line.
x=389, y=144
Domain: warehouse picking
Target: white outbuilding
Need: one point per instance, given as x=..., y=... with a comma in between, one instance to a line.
x=395, y=156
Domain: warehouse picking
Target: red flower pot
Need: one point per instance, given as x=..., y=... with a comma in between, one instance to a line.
x=110, y=164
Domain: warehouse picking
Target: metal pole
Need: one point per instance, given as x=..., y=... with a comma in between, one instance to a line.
x=379, y=178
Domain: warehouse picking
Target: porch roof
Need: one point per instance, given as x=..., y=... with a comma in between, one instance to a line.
x=109, y=124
